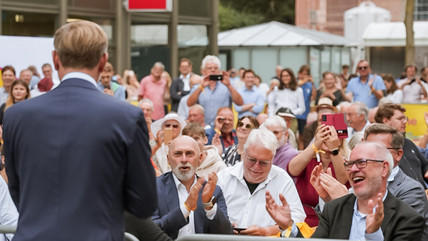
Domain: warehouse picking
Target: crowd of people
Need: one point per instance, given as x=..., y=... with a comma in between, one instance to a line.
x=232, y=155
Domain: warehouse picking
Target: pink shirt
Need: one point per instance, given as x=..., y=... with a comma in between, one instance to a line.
x=155, y=91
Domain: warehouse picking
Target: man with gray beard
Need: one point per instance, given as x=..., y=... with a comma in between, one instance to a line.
x=187, y=204
x=285, y=151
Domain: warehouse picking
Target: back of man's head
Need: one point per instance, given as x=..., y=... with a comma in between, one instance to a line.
x=80, y=44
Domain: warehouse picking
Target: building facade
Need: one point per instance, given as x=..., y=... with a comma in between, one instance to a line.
x=136, y=39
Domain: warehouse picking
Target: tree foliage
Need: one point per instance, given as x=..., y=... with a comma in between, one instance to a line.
x=239, y=13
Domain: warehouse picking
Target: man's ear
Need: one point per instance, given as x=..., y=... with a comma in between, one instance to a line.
x=385, y=120
x=205, y=140
x=55, y=59
x=102, y=62
x=385, y=169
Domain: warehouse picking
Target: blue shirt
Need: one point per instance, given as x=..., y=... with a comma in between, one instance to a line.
x=212, y=100
x=254, y=95
x=307, y=92
x=361, y=91
x=118, y=90
x=358, y=227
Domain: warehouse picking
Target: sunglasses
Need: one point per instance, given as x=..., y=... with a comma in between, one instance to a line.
x=241, y=124
x=363, y=67
x=173, y=125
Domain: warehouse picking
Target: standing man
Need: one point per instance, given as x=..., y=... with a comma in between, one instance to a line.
x=181, y=86
x=48, y=73
x=109, y=87
x=152, y=87
x=254, y=99
x=214, y=94
x=76, y=165
x=412, y=87
x=366, y=88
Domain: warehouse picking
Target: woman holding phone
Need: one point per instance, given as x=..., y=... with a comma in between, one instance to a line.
x=326, y=149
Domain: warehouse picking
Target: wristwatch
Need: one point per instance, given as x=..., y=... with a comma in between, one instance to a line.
x=211, y=203
x=335, y=152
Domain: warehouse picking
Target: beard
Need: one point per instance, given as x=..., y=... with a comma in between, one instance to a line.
x=184, y=175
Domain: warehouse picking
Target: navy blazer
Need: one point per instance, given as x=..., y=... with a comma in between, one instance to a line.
x=170, y=218
x=76, y=158
x=400, y=222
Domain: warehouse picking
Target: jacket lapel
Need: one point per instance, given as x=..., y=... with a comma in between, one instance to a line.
x=171, y=192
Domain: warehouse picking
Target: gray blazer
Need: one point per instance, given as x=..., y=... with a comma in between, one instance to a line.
x=412, y=193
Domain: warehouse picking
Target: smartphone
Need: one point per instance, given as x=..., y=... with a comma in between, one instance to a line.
x=239, y=229
x=216, y=77
x=167, y=136
x=338, y=121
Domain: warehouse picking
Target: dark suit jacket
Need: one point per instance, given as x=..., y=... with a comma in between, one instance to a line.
x=400, y=221
x=413, y=163
x=177, y=92
x=75, y=158
x=413, y=194
x=170, y=218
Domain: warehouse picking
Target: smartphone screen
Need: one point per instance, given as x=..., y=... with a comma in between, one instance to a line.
x=216, y=77
x=167, y=136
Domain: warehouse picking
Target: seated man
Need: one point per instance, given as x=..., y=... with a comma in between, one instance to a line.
x=371, y=212
x=285, y=151
x=244, y=186
x=165, y=130
x=186, y=204
x=197, y=115
x=413, y=163
x=109, y=87
x=211, y=160
x=224, y=127
x=357, y=116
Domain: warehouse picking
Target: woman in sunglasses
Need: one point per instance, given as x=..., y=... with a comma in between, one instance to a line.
x=232, y=154
x=327, y=149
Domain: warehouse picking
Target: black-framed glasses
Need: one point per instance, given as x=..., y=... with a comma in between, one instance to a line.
x=360, y=163
x=363, y=67
x=253, y=161
x=173, y=125
x=241, y=124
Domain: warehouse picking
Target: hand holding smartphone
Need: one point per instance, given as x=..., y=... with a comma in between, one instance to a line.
x=338, y=121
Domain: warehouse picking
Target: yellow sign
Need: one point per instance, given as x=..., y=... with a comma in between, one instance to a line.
x=416, y=126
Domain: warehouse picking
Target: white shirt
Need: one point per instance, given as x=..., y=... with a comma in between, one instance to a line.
x=247, y=209
x=8, y=212
x=292, y=99
x=412, y=92
x=396, y=97
x=186, y=81
x=182, y=197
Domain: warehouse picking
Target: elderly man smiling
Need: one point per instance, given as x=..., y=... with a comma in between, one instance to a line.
x=244, y=186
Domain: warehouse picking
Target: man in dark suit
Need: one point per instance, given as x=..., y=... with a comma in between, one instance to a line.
x=75, y=157
x=180, y=86
x=186, y=204
x=371, y=213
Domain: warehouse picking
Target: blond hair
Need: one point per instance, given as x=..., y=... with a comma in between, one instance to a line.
x=80, y=44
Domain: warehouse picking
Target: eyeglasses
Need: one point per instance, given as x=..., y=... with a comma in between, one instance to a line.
x=363, y=67
x=173, y=125
x=403, y=119
x=253, y=161
x=360, y=163
x=241, y=124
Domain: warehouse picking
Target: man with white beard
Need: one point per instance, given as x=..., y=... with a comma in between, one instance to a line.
x=285, y=151
x=186, y=203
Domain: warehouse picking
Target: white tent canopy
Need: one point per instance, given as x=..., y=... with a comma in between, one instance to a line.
x=394, y=34
x=277, y=34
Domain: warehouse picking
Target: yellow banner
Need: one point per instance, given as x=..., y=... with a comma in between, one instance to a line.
x=416, y=126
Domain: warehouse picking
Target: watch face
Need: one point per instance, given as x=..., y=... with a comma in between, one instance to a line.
x=335, y=152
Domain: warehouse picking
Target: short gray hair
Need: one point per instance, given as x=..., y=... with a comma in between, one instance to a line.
x=262, y=137
x=147, y=101
x=381, y=153
x=361, y=109
x=274, y=120
x=210, y=59
x=159, y=64
x=199, y=107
